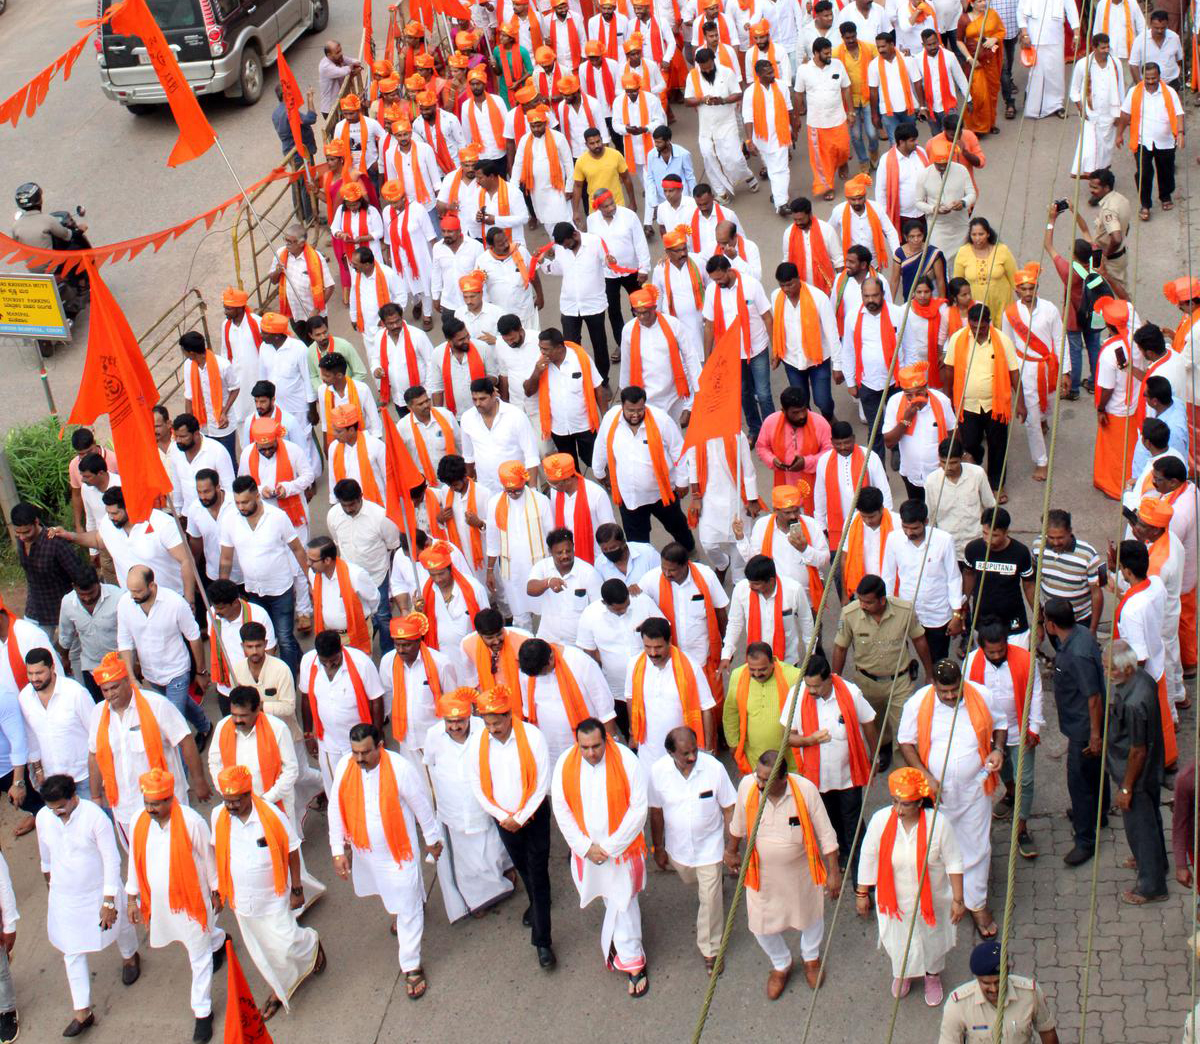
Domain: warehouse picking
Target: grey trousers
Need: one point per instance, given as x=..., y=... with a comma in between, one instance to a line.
x=1144, y=832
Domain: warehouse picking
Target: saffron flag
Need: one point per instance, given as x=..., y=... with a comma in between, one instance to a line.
x=293, y=100
x=243, y=1021
x=196, y=137
x=717, y=410
x=117, y=381
x=368, y=31
x=403, y=477
x=454, y=9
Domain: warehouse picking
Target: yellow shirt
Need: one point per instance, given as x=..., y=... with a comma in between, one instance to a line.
x=860, y=94
x=763, y=730
x=977, y=388
x=602, y=172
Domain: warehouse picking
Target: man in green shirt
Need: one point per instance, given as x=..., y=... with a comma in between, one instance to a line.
x=767, y=685
x=323, y=341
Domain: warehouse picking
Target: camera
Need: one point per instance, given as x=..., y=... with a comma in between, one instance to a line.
x=1060, y=205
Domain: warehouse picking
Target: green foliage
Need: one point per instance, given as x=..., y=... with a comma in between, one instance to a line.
x=38, y=459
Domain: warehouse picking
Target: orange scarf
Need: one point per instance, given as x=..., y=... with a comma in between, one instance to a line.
x=783, y=126
x=949, y=98
x=1135, y=113
x=474, y=367
x=366, y=474
x=981, y=722
x=742, y=696
x=833, y=488
x=685, y=686
x=508, y=673
x=718, y=215
x=564, y=116
x=854, y=567
x=423, y=458
x=643, y=120
x=568, y=691
x=932, y=314
x=754, y=624
x=666, y=606
x=428, y=594
x=400, y=239
x=607, y=81
x=1039, y=353
x=885, y=882
x=382, y=294
x=673, y=355
x=410, y=362
x=573, y=42
x=270, y=764
x=939, y=416
x=212, y=373
x=693, y=276
x=292, y=506
x=743, y=314
x=512, y=65
x=810, y=326
x=816, y=585
x=525, y=759
x=1001, y=380
x=356, y=683
x=658, y=459
x=357, y=634
x=879, y=247
x=810, y=757
x=803, y=244
x=400, y=688
x=606, y=30
x=816, y=865
x=617, y=783
x=887, y=343
x=892, y=161
x=545, y=416
x=275, y=834
x=1160, y=551
x=183, y=880
x=495, y=118
x=452, y=534
x=316, y=280
x=255, y=334
x=151, y=741
x=581, y=521
x=363, y=137
x=552, y=159
x=1018, y=669
x=354, y=814
x=436, y=138
x=885, y=94
x=1128, y=21
x=809, y=443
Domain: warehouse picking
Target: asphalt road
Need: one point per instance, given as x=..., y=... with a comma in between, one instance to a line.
x=483, y=977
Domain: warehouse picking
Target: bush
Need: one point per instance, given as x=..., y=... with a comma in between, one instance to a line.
x=38, y=459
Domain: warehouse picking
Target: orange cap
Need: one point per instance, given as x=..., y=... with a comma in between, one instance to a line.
x=633, y=43
x=513, y=474
x=410, y=628
x=472, y=282
x=234, y=781
x=336, y=147
x=436, y=556
x=908, y=784
x=469, y=153
x=784, y=497
x=464, y=39
x=458, y=61
x=157, y=784
x=414, y=28
x=645, y=297
x=495, y=701
x=676, y=237
x=1185, y=288
x=511, y=28
x=389, y=84
x=234, y=298
x=558, y=466
x=568, y=83
x=914, y=376
x=426, y=98
x=350, y=103
x=345, y=416
x=592, y=49
x=539, y=115
x=414, y=83
x=1155, y=512
x=381, y=67
x=425, y=61
x=543, y=56
x=1115, y=312
x=392, y=190
x=762, y=26
x=630, y=82
x=857, y=185
x=457, y=704
x=274, y=323
x=111, y=668
x=939, y=150
x=352, y=191
x=1027, y=276
x=265, y=430
x=478, y=74
x=524, y=95
x=1029, y=57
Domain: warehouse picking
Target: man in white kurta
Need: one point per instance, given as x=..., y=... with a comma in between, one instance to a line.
x=418, y=675
x=668, y=358
x=241, y=338
x=955, y=771
x=717, y=502
x=1100, y=105
x=57, y=711
x=82, y=866
x=764, y=585
x=475, y=871
x=1042, y=25
x=680, y=583
x=543, y=700
x=375, y=869
x=408, y=235
x=150, y=899
x=794, y=553
x=284, y=953
x=518, y=521
x=535, y=169
x=608, y=860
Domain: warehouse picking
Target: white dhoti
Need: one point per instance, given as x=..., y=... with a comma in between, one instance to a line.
x=550, y=207
x=622, y=931
x=471, y=871
x=1094, y=151
x=1045, y=90
x=775, y=945
x=283, y=952
x=617, y=882
x=1172, y=660
x=776, y=162
x=969, y=811
x=724, y=164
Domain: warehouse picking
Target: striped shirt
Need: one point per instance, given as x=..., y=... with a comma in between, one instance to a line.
x=1070, y=575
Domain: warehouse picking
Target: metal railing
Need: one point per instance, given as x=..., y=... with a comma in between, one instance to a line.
x=160, y=343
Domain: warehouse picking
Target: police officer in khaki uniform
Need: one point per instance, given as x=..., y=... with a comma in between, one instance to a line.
x=877, y=629
x=970, y=1012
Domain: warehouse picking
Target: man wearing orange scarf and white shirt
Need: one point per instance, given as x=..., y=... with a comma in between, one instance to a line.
x=210, y=389
x=718, y=506
x=1154, y=117
x=344, y=595
x=766, y=607
x=376, y=802
x=767, y=115
x=868, y=357
x=429, y=432
x=660, y=355
x=837, y=473
x=414, y=678
x=482, y=117
x=577, y=503
x=241, y=340
x=805, y=336
x=635, y=113
x=792, y=441
x=281, y=469
x=172, y=886
x=967, y=741
x=448, y=597
x=864, y=222
x=1152, y=526
x=680, y=280
x=338, y=388
x=456, y=362
x=791, y=539
x=408, y=237
x=598, y=793
x=544, y=168
x=257, y=855
x=560, y=687
x=305, y=282
x=518, y=521
x=916, y=420
x=793, y=867
x=372, y=285
x=356, y=454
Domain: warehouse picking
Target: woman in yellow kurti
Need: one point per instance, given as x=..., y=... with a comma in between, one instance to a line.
x=988, y=265
x=984, y=66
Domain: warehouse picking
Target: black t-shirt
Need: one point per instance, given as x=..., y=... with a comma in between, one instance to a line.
x=998, y=588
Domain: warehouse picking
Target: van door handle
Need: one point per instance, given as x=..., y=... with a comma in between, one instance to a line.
x=251, y=10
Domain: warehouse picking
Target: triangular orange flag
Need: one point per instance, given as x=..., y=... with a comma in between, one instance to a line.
x=243, y=1021
x=717, y=409
x=117, y=381
x=403, y=476
x=293, y=100
x=196, y=137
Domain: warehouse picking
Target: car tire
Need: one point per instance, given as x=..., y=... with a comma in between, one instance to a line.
x=250, y=75
x=139, y=109
x=320, y=16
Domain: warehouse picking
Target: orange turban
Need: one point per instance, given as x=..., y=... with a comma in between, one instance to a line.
x=1185, y=288
x=111, y=668
x=511, y=28
x=234, y=298
x=543, y=56
x=646, y=297
x=1027, y=276
x=392, y=190
x=389, y=84
x=382, y=68
x=426, y=98
x=414, y=83
x=762, y=27
x=524, y=95
x=559, y=466
x=469, y=153
x=345, y=416
x=425, y=61
x=337, y=147
x=472, y=282
x=274, y=323
x=1155, y=512
x=914, y=376
x=411, y=627
x=785, y=497
x=1115, y=312
x=676, y=237
x=265, y=430
x=495, y=701
x=858, y=185
x=414, y=28
x=350, y=103
x=939, y=151
x=478, y=73
x=457, y=704
x=592, y=49
x=234, y=781
x=568, y=83
x=908, y=784
x=630, y=82
x=352, y=191
x=634, y=43
x=464, y=39
x=513, y=474
x=539, y=115
x=436, y=556
x=157, y=784
x=458, y=61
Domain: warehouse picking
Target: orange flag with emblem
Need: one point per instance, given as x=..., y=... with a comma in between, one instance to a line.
x=243, y=1021
x=403, y=476
x=717, y=410
x=196, y=137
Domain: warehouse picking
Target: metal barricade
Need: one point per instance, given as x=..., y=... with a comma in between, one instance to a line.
x=160, y=343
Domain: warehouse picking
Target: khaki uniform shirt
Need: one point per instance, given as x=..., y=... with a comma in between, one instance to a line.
x=1113, y=217
x=968, y=1018
x=879, y=646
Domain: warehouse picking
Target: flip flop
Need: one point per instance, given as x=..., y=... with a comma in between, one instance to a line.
x=271, y=1008
x=1144, y=215
x=415, y=984
x=636, y=980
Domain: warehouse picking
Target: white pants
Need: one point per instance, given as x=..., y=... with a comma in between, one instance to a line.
x=623, y=930
x=79, y=975
x=200, y=957
x=308, y=784
x=1033, y=431
x=1174, y=665
x=410, y=924
x=304, y=603
x=775, y=945
x=724, y=164
x=724, y=554
x=776, y=162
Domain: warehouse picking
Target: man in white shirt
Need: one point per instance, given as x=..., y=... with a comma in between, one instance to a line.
x=624, y=241
x=883, y=243
x=1155, y=138
x=608, y=633
x=622, y=560
x=847, y=458
x=415, y=676
x=284, y=362
x=920, y=566
x=1102, y=106
x=763, y=605
x=535, y=168
x=193, y=452
x=518, y=520
x=58, y=717
x=482, y=117
x=915, y=420
x=159, y=626
x=454, y=255
x=580, y=258
x=900, y=170
x=366, y=538
x=957, y=494
x=372, y=285
x=771, y=138
x=211, y=388
x=869, y=344
x=1161, y=46
x=564, y=586
x=295, y=267
x=715, y=90
x=822, y=88
x=457, y=362
x=494, y=432
x=680, y=280
x=1041, y=25
x=339, y=389
x=807, y=361
x=691, y=801
x=560, y=687
x=400, y=356
x=241, y=338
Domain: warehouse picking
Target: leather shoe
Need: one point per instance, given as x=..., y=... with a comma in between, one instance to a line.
x=76, y=1027
x=130, y=973
x=1077, y=856
x=218, y=959
x=546, y=957
x=202, y=1033
x=777, y=981
x=813, y=974
x=527, y=917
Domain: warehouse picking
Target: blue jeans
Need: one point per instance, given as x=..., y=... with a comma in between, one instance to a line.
x=1076, y=342
x=816, y=380
x=281, y=608
x=890, y=123
x=756, y=392
x=176, y=690
x=383, y=616
x=872, y=401
x=863, y=137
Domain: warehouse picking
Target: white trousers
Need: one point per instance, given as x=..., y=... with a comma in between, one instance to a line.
x=775, y=945
x=200, y=957
x=723, y=555
x=308, y=785
x=622, y=929
x=304, y=603
x=79, y=974
x=776, y=162
x=1174, y=665
x=724, y=164
x=410, y=924
x=1033, y=431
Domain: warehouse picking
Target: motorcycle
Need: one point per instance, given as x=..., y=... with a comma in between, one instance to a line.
x=74, y=287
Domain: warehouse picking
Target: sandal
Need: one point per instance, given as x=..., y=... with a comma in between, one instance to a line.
x=710, y=962
x=986, y=931
x=415, y=984
x=639, y=984
x=271, y=1008
x=1144, y=214
x=1010, y=112
x=1168, y=205
x=1137, y=899
x=320, y=964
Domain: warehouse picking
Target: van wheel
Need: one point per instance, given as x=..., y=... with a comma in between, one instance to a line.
x=320, y=16
x=140, y=110
x=250, y=78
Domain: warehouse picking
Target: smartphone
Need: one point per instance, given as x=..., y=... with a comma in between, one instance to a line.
x=797, y=529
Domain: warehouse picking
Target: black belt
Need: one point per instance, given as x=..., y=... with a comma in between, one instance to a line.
x=910, y=670
x=1113, y=257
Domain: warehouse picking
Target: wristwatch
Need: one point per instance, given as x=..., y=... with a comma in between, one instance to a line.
x=1124, y=790
x=108, y=904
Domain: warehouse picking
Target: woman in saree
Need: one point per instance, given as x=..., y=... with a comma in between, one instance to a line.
x=984, y=62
